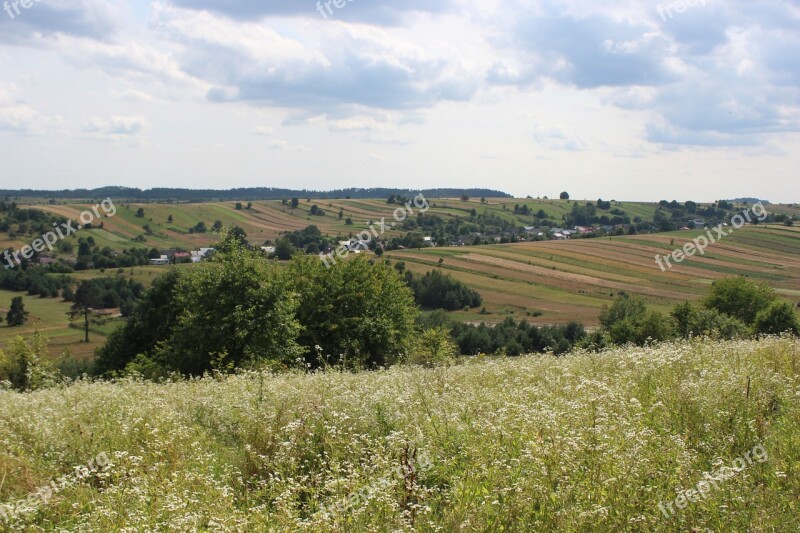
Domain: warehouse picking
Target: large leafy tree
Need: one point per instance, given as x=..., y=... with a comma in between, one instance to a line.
x=284, y=249
x=235, y=310
x=629, y=320
x=358, y=313
x=230, y=312
x=739, y=298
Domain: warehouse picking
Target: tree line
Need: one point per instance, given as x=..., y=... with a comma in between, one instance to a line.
x=255, y=193
x=734, y=308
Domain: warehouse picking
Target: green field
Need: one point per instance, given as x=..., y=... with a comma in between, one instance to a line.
x=587, y=442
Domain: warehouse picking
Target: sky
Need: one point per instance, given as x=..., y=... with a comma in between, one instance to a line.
x=624, y=100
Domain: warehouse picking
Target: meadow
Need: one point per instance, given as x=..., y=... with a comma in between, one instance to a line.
x=586, y=442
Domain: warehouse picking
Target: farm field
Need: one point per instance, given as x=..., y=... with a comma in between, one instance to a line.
x=268, y=219
x=586, y=442
x=572, y=280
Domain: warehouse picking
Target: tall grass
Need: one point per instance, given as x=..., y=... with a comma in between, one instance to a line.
x=586, y=442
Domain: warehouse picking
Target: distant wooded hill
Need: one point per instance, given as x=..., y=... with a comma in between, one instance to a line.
x=257, y=193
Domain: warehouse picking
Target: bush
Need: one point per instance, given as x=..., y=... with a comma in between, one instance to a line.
x=436, y=290
x=434, y=347
x=692, y=321
x=629, y=321
x=70, y=368
x=25, y=366
x=512, y=338
x=779, y=317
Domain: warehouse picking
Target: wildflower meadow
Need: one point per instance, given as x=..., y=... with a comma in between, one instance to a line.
x=584, y=442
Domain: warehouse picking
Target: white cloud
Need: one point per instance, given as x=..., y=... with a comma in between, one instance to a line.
x=262, y=130
x=276, y=144
x=17, y=116
x=114, y=128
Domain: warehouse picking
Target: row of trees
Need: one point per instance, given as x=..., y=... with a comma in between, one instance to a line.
x=734, y=308
x=18, y=222
x=436, y=290
x=35, y=281
x=512, y=338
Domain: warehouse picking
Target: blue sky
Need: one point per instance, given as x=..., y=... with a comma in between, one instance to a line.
x=625, y=100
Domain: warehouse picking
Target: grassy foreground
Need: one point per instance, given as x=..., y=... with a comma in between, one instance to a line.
x=582, y=443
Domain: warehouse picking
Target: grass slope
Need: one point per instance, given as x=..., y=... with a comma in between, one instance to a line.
x=581, y=443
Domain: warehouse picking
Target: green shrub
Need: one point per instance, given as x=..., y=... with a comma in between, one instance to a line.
x=629, y=321
x=692, y=321
x=26, y=366
x=779, y=317
x=434, y=347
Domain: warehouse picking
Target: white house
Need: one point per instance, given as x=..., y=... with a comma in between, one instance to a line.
x=163, y=260
x=202, y=253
